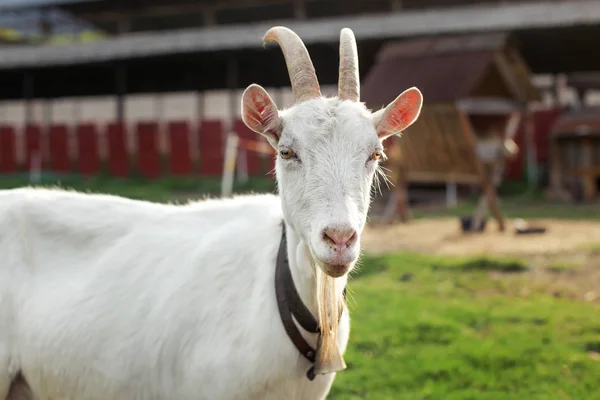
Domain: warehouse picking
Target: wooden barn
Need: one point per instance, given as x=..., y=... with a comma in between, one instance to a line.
x=575, y=146
x=475, y=88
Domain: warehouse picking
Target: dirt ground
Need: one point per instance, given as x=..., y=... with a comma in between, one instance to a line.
x=564, y=261
x=443, y=236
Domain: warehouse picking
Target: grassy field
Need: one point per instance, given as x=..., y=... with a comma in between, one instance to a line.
x=433, y=327
x=159, y=190
x=514, y=203
x=453, y=328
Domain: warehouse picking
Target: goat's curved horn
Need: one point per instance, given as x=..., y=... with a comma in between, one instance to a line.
x=300, y=67
x=348, y=83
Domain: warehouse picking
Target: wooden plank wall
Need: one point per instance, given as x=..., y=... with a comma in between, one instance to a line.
x=434, y=148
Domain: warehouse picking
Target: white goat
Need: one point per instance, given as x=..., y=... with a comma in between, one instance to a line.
x=103, y=297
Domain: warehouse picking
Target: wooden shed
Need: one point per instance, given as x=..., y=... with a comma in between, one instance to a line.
x=472, y=87
x=575, y=155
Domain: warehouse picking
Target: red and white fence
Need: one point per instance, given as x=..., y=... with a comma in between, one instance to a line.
x=188, y=148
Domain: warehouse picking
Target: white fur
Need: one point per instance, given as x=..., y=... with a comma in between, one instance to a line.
x=109, y=298
x=103, y=297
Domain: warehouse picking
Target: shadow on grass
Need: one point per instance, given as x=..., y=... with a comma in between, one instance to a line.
x=407, y=262
x=593, y=346
x=483, y=264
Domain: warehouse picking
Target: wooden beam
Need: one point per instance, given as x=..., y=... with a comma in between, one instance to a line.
x=120, y=92
x=487, y=187
x=497, y=167
x=179, y=9
x=28, y=93
x=507, y=72
x=556, y=188
x=531, y=151
x=512, y=126
x=590, y=190
x=592, y=170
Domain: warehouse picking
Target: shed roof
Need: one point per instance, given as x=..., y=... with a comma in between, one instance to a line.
x=445, y=69
x=579, y=122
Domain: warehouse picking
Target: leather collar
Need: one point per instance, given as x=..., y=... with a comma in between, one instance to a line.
x=290, y=304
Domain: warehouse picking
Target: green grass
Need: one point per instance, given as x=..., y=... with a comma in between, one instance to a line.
x=442, y=328
x=159, y=190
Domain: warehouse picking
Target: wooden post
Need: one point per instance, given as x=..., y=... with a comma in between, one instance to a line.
x=396, y=5
x=451, y=198
x=28, y=94
x=496, y=171
x=402, y=207
x=588, y=178
x=397, y=205
x=556, y=188
x=299, y=9
x=487, y=187
x=229, y=165
x=159, y=112
x=531, y=152
x=121, y=89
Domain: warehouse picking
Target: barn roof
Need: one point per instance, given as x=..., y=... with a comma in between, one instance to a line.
x=578, y=122
x=538, y=15
x=446, y=69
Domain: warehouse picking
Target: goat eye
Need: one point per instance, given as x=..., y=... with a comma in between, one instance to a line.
x=286, y=153
x=377, y=155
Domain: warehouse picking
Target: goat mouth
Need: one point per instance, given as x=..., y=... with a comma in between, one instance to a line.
x=335, y=270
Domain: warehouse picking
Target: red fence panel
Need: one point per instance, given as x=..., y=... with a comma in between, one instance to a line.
x=58, y=146
x=118, y=156
x=211, y=148
x=180, y=161
x=33, y=145
x=88, y=155
x=543, y=121
x=148, y=158
x=252, y=157
x=8, y=149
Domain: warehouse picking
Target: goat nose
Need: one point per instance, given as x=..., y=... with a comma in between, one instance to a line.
x=339, y=236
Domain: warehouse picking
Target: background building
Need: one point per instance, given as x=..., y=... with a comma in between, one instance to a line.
x=101, y=62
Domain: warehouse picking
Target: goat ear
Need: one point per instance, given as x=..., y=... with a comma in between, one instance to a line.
x=399, y=114
x=260, y=113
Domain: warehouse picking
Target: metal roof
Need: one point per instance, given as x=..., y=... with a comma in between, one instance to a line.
x=542, y=14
